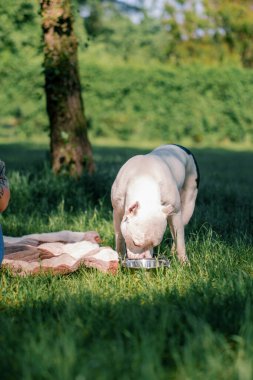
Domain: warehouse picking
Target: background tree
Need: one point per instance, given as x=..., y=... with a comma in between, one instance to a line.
x=70, y=147
x=117, y=65
x=232, y=21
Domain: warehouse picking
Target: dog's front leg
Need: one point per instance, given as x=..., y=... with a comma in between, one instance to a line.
x=119, y=240
x=177, y=230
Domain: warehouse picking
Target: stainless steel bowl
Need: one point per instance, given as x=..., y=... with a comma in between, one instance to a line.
x=146, y=263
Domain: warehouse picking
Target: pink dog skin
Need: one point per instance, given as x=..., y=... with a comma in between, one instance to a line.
x=150, y=192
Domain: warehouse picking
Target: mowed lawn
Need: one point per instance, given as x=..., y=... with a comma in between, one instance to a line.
x=186, y=322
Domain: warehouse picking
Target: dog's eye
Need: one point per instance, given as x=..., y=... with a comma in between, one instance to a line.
x=126, y=219
x=136, y=245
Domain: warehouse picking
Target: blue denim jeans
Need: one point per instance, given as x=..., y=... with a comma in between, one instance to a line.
x=1, y=245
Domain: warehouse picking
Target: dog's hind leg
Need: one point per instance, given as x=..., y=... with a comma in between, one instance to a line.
x=189, y=192
x=177, y=230
x=188, y=199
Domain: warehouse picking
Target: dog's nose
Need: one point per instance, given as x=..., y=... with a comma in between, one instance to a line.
x=136, y=245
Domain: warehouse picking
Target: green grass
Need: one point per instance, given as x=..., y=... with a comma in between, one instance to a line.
x=183, y=323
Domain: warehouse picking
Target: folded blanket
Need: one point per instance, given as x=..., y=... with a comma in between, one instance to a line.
x=58, y=252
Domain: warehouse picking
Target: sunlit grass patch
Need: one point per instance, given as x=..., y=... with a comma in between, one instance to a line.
x=184, y=322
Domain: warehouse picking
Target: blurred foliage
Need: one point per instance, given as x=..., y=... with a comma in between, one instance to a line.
x=21, y=95
x=209, y=32
x=166, y=78
x=233, y=24
x=169, y=104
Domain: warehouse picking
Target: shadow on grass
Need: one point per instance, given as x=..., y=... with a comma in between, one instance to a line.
x=107, y=336
x=224, y=202
x=24, y=157
x=20, y=156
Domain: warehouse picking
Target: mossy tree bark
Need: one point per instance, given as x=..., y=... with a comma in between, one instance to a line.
x=70, y=147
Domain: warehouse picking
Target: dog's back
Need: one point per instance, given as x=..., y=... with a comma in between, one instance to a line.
x=180, y=160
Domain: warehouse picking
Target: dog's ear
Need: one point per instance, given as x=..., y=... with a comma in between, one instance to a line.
x=132, y=210
x=168, y=210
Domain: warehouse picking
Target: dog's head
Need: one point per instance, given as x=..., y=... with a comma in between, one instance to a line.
x=143, y=228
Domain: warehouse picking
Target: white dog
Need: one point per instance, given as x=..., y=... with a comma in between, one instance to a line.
x=150, y=191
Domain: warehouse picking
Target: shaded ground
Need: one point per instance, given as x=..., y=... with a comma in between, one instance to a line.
x=224, y=200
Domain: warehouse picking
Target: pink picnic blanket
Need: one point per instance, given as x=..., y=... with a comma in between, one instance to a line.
x=58, y=252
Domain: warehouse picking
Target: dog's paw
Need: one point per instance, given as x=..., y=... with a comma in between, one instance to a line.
x=184, y=260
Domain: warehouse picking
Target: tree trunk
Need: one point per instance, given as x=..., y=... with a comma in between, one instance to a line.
x=70, y=147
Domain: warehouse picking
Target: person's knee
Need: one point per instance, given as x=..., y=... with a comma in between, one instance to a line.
x=4, y=198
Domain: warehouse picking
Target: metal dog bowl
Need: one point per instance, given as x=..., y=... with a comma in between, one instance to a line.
x=146, y=263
